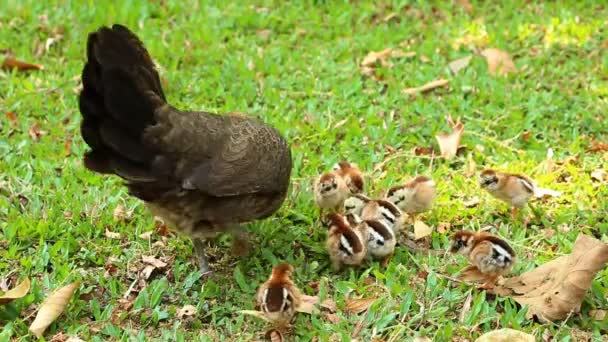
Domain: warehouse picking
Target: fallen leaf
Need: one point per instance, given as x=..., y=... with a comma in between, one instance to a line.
x=449, y=142
x=420, y=150
x=10, y=63
x=34, y=132
x=332, y=317
x=150, y=260
x=422, y=274
x=112, y=235
x=427, y=87
x=505, y=335
x=471, y=167
x=466, y=307
x=308, y=304
x=499, y=62
x=52, y=308
x=357, y=306
x=555, y=289
x=17, y=292
x=466, y=5
x=421, y=230
x=443, y=227
x=422, y=339
x=146, y=235
x=275, y=335
x=74, y=339
x=525, y=136
x=459, y=64
x=598, y=147
x=472, y=202
x=187, y=311
x=147, y=271
x=374, y=57
x=121, y=215
x=12, y=117
x=599, y=175
x=67, y=146
x=597, y=315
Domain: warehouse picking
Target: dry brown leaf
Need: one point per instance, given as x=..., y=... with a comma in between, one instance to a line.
x=112, y=235
x=186, y=311
x=525, y=136
x=357, y=306
x=597, y=315
x=17, y=292
x=470, y=171
x=421, y=150
x=505, y=335
x=472, y=202
x=121, y=215
x=52, y=308
x=34, y=132
x=427, y=87
x=275, y=335
x=12, y=117
x=146, y=235
x=67, y=146
x=556, y=288
x=332, y=317
x=309, y=305
x=150, y=260
x=11, y=63
x=443, y=227
x=421, y=230
x=466, y=307
x=499, y=62
x=449, y=142
x=374, y=57
x=459, y=64
x=599, y=175
x=598, y=147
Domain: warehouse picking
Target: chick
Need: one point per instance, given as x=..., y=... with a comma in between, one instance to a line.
x=491, y=255
x=351, y=175
x=414, y=197
x=380, y=239
x=278, y=297
x=385, y=212
x=355, y=203
x=513, y=189
x=330, y=191
x=345, y=245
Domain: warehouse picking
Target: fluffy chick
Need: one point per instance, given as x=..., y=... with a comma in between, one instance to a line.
x=380, y=239
x=355, y=203
x=352, y=176
x=330, y=191
x=345, y=245
x=415, y=196
x=278, y=297
x=491, y=255
x=511, y=188
x=385, y=212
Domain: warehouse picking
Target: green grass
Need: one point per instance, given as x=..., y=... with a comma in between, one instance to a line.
x=303, y=78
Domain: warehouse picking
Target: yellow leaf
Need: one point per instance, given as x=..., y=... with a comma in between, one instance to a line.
x=449, y=142
x=499, y=62
x=427, y=87
x=17, y=292
x=505, y=335
x=357, y=306
x=421, y=230
x=459, y=64
x=52, y=308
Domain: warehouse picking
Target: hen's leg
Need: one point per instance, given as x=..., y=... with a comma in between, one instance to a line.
x=199, y=250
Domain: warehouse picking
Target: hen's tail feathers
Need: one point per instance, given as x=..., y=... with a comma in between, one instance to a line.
x=121, y=91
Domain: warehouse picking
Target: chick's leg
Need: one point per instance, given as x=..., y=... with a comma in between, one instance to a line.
x=199, y=250
x=514, y=212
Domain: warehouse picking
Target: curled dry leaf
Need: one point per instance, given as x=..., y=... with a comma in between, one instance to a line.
x=471, y=167
x=421, y=230
x=146, y=235
x=499, y=62
x=466, y=308
x=357, y=306
x=52, y=308
x=12, y=117
x=459, y=64
x=449, y=142
x=186, y=311
x=598, y=147
x=505, y=335
x=17, y=292
x=599, y=175
x=426, y=87
x=112, y=235
x=121, y=215
x=472, y=202
x=275, y=335
x=443, y=227
x=11, y=63
x=34, y=132
x=421, y=150
x=597, y=315
x=150, y=260
x=556, y=288
x=374, y=57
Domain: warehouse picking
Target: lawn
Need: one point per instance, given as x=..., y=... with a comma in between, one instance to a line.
x=297, y=67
